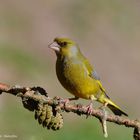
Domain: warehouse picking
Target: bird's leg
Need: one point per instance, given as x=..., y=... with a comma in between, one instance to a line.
x=71, y=99
x=103, y=106
x=89, y=109
x=66, y=101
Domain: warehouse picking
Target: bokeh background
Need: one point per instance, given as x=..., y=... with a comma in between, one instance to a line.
x=107, y=31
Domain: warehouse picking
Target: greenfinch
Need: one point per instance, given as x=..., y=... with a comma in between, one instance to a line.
x=76, y=74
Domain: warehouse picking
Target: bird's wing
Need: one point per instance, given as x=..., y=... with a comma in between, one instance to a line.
x=91, y=71
x=101, y=87
x=93, y=74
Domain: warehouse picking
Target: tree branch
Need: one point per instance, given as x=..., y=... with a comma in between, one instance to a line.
x=39, y=95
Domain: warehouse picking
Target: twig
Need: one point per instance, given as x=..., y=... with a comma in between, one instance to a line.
x=40, y=95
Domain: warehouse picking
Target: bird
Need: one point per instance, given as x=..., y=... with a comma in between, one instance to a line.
x=78, y=76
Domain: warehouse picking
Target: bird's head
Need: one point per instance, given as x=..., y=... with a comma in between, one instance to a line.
x=64, y=46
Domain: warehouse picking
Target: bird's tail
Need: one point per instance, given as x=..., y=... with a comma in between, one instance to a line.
x=114, y=108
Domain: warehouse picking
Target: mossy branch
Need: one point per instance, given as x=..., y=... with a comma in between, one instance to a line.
x=31, y=96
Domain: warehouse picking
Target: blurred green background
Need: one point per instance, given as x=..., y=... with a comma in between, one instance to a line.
x=107, y=31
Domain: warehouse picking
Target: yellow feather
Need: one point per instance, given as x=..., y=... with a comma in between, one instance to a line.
x=77, y=75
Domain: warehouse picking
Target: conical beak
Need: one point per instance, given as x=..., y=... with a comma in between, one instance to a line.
x=54, y=46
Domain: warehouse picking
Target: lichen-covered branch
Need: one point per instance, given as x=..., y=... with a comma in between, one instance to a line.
x=32, y=96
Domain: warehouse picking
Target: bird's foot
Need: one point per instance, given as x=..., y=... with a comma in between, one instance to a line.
x=102, y=107
x=89, y=109
x=64, y=101
x=67, y=100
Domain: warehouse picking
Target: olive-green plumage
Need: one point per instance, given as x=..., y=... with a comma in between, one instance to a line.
x=77, y=75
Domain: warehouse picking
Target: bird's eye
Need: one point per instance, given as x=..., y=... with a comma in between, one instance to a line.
x=63, y=43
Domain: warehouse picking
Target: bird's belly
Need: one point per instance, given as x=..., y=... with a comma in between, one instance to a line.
x=82, y=87
x=85, y=89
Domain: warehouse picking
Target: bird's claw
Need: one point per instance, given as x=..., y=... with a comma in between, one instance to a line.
x=89, y=110
x=64, y=101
